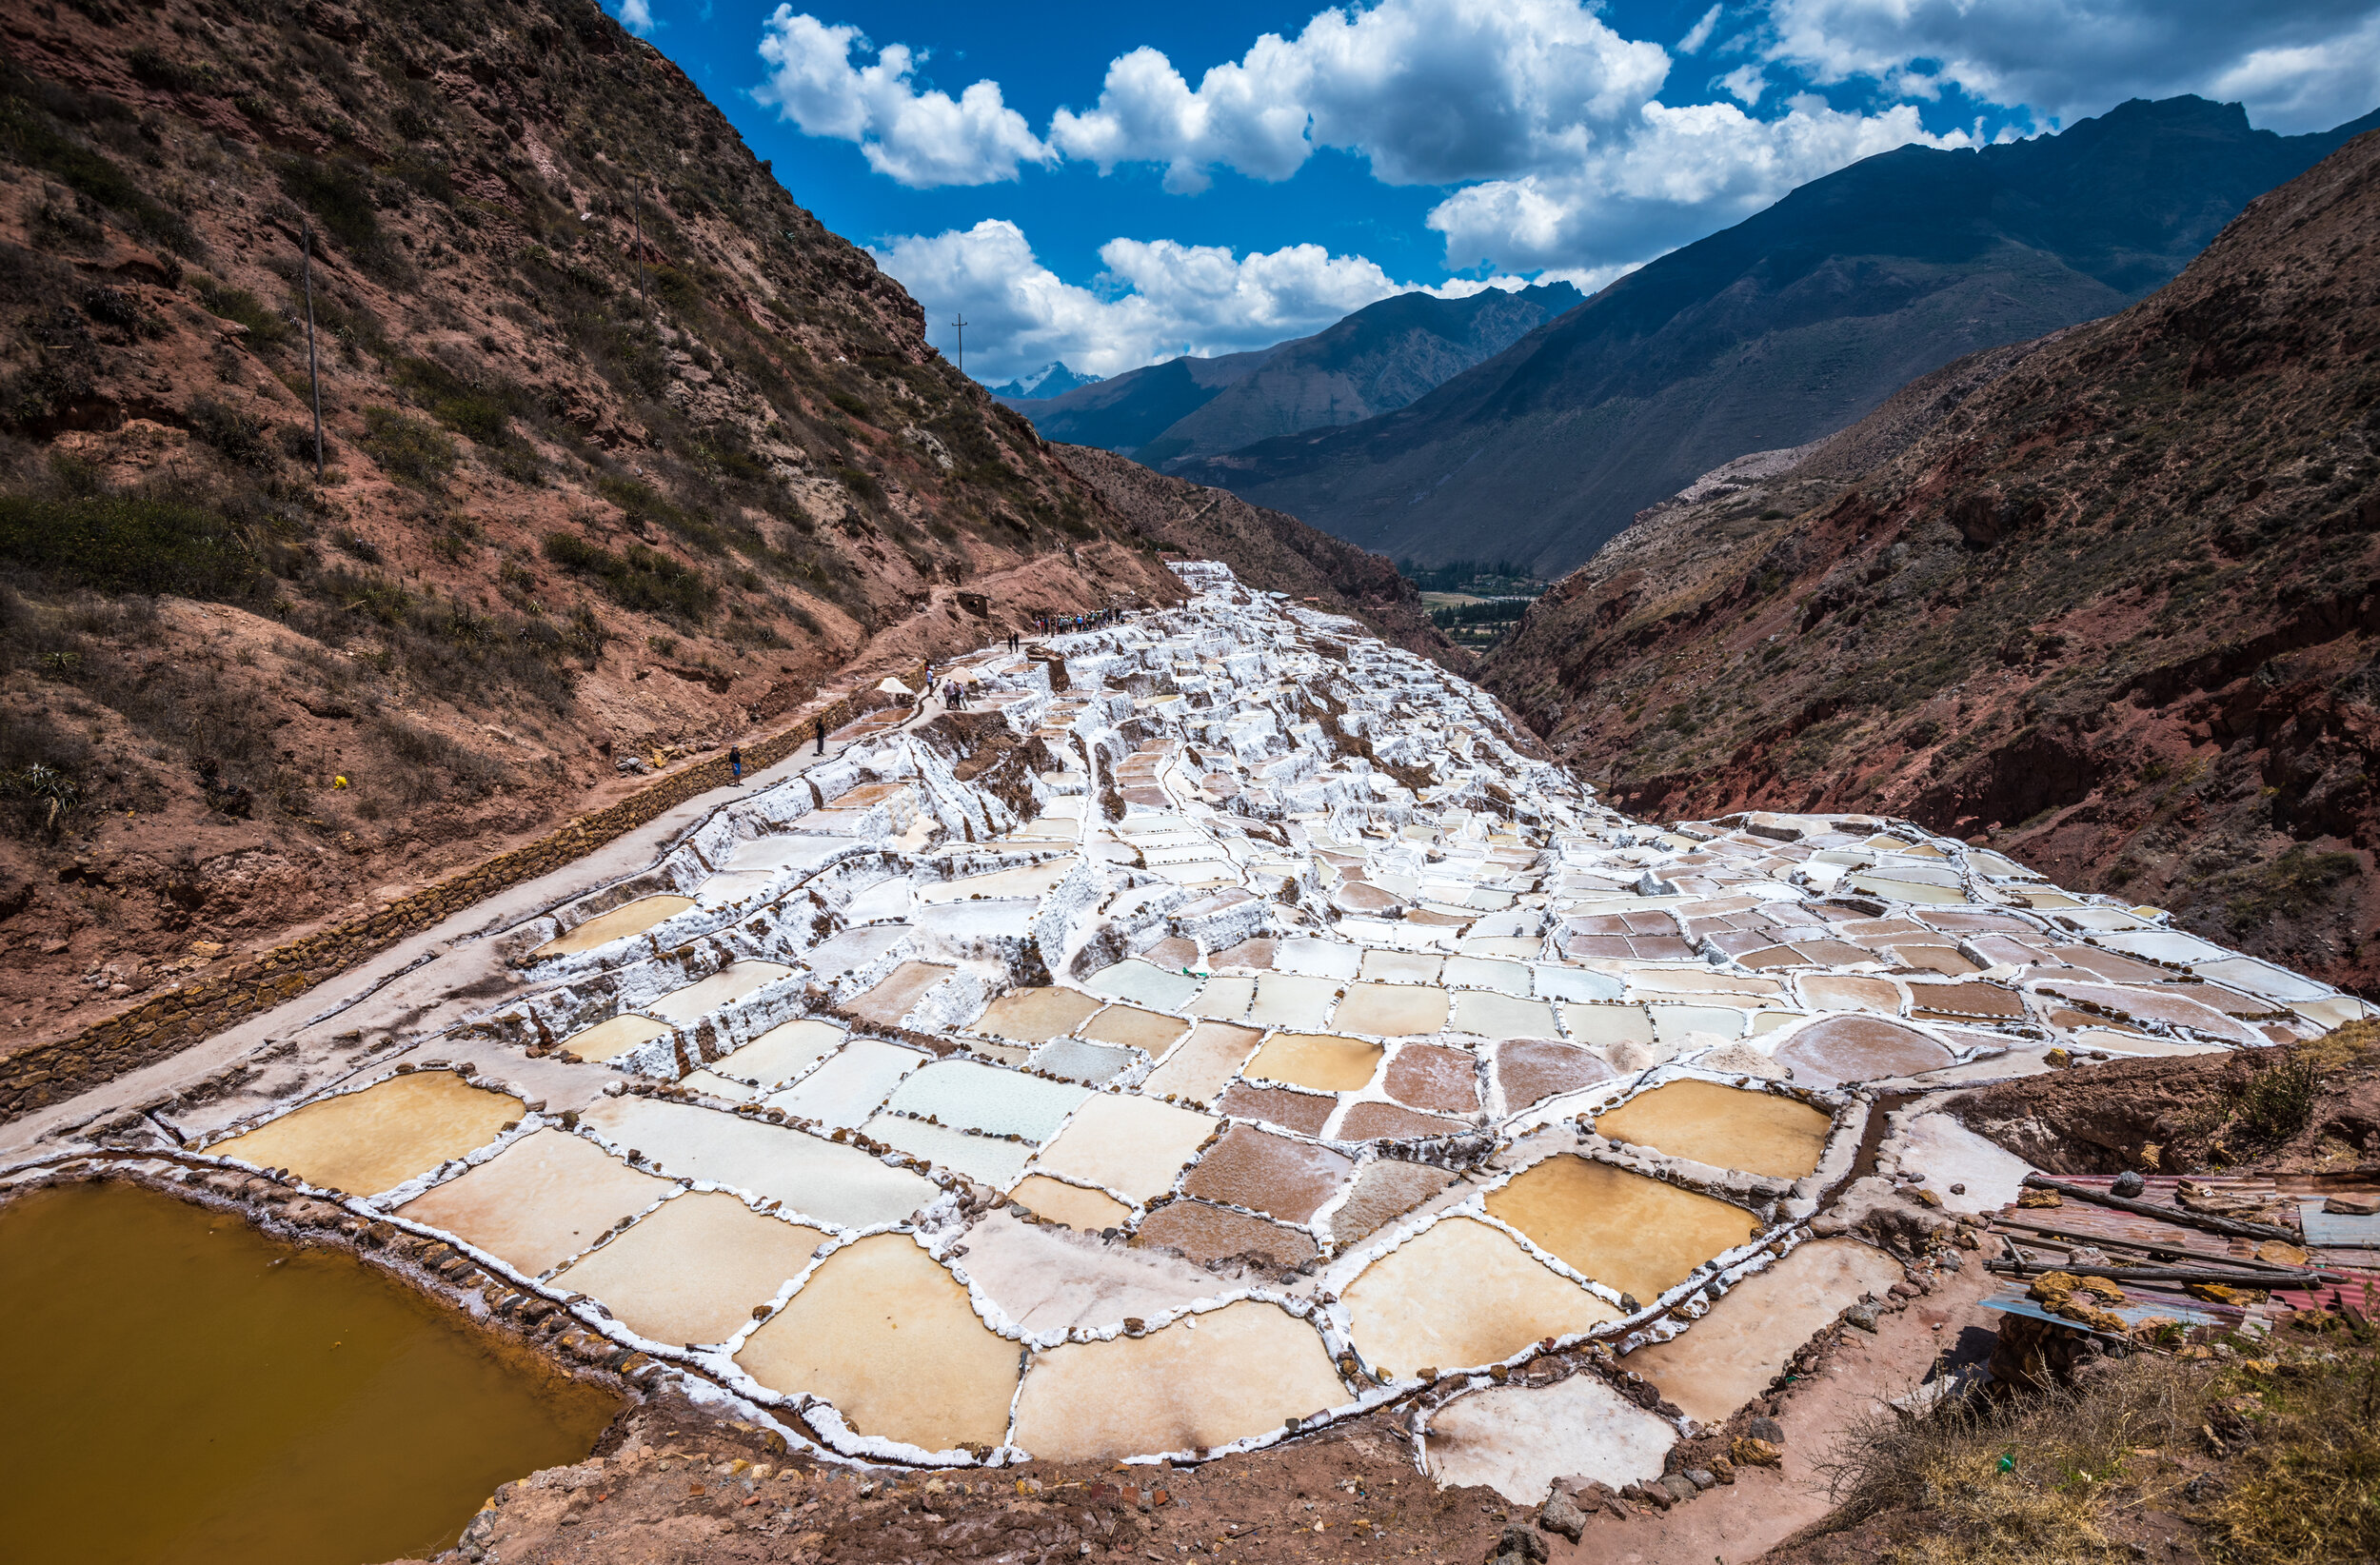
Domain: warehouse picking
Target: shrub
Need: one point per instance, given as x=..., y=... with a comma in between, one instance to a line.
x=129, y=543
x=482, y=412
x=2279, y=1103
x=238, y=436
x=339, y=195
x=414, y=450
x=638, y=578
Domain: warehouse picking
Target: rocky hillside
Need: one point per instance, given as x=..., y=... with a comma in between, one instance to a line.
x=623, y=455
x=1380, y=358
x=1266, y=549
x=2107, y=600
x=1778, y=331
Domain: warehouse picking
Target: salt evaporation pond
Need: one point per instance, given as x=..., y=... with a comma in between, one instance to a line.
x=1220, y=1077
x=294, y=1407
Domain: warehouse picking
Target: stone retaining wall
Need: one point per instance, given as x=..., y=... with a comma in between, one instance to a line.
x=170, y=1022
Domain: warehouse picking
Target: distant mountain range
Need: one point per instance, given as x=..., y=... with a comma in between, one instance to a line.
x=1051, y=380
x=1376, y=360
x=1776, y=332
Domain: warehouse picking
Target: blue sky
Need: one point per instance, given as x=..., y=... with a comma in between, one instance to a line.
x=1111, y=186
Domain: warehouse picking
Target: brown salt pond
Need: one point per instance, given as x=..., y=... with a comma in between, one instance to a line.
x=1149, y=1031
x=1391, y=1010
x=1206, y=1233
x=1725, y=1127
x=1036, y=1016
x=1200, y=1065
x=363, y=1142
x=628, y=918
x=1267, y=1173
x=317, y=1413
x=1859, y=1048
x=1628, y=1231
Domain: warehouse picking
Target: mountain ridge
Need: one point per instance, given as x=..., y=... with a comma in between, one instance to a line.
x=1777, y=332
x=2107, y=600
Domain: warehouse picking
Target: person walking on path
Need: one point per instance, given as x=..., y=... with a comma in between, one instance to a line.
x=734, y=762
x=821, y=736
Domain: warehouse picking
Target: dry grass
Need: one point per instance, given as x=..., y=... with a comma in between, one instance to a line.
x=2286, y=1449
x=2028, y=1483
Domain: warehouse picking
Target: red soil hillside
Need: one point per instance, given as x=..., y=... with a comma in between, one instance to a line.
x=624, y=454
x=2106, y=600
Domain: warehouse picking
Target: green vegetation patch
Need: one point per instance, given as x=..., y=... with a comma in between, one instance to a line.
x=413, y=450
x=129, y=543
x=638, y=578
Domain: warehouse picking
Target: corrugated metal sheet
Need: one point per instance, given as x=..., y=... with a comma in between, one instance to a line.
x=2139, y=1306
x=2327, y=1229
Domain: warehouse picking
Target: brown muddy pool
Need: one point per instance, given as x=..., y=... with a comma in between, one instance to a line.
x=263, y=1403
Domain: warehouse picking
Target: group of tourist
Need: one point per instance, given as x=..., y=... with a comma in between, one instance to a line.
x=1062, y=625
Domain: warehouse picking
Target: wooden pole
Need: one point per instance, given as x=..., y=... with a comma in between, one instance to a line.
x=313, y=370
x=961, y=324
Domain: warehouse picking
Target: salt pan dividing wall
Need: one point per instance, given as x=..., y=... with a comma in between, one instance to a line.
x=1293, y=1039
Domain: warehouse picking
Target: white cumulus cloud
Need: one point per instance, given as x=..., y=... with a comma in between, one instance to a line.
x=637, y=17
x=918, y=138
x=1431, y=91
x=2299, y=65
x=1682, y=173
x=1154, y=299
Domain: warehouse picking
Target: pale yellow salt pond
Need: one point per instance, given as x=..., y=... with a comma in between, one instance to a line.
x=363, y=1142
x=1315, y=1061
x=1461, y=1293
x=1757, y=1132
x=1401, y=966
x=627, y=919
x=1025, y=880
x=888, y=1336
x=781, y=1053
x=1149, y=1031
x=1630, y=1233
x=729, y=984
x=694, y=1269
x=609, y=1039
x=540, y=1201
x=1731, y=1355
x=1604, y=1024
x=1223, y=999
x=1201, y=1065
x=1036, y=1016
x=1391, y=1010
x=1130, y=1145
x=1090, y=1211
x=1242, y=1370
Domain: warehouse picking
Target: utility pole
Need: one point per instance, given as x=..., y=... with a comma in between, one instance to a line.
x=961, y=324
x=642, y=302
x=313, y=371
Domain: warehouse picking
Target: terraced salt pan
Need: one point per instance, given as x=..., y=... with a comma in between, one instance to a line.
x=1604, y=1025
x=792, y=854
x=843, y=1093
x=1517, y=1441
x=538, y=1201
x=609, y=1039
x=1732, y=1354
x=692, y=1270
x=1223, y=999
x=1144, y=984
x=1458, y=1296
x=1487, y=1014
x=1093, y=1064
x=1091, y=1211
x=1266, y=1173
x=1238, y=1372
x=1318, y=1060
x=1035, y=1015
x=1130, y=1145
x=1026, y=881
x=628, y=918
x=1134, y=1028
x=363, y=1142
x=887, y=1336
x=1287, y=999
x=812, y=1176
x=1384, y=1190
x=1859, y=1048
x=1204, y=1232
x=983, y=1159
x=1473, y=972
x=1724, y=1127
x=985, y=1097
x=1318, y=958
x=1391, y=1010
x=784, y=1052
x=1633, y=1234
x=725, y=987
x=890, y=1001
x=1197, y=1067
